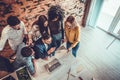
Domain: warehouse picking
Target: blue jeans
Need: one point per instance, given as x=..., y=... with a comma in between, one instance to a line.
x=31, y=69
x=27, y=62
x=75, y=49
x=58, y=38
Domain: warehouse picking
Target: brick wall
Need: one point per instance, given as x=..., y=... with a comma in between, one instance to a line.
x=29, y=10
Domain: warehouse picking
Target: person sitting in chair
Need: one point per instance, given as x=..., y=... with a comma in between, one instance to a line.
x=45, y=46
x=25, y=57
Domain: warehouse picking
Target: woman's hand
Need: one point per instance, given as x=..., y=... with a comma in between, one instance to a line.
x=29, y=42
x=64, y=40
x=70, y=48
x=51, y=50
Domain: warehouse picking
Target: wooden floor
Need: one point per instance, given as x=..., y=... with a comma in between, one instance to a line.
x=93, y=57
x=97, y=61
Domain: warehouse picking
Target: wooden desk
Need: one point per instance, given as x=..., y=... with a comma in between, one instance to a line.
x=66, y=60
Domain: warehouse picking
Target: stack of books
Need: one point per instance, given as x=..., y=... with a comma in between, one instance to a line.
x=23, y=74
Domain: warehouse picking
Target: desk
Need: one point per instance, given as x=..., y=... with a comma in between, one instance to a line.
x=66, y=60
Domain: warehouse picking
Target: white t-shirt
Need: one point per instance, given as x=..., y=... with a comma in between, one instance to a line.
x=46, y=46
x=14, y=37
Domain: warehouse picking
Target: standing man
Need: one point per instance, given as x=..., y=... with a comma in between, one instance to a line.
x=14, y=32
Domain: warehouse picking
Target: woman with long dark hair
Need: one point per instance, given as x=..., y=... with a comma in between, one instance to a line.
x=39, y=27
x=43, y=24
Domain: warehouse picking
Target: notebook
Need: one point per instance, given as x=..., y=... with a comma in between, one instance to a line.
x=23, y=74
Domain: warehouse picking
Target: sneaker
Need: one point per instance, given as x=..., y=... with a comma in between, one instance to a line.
x=80, y=78
x=93, y=78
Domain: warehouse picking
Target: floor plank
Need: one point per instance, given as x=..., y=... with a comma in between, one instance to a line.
x=97, y=61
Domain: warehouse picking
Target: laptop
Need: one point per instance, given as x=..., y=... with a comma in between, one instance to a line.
x=53, y=65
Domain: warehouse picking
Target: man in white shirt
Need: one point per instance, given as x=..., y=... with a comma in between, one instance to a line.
x=14, y=32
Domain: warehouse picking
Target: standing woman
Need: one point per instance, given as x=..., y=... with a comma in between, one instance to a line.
x=72, y=32
x=55, y=22
x=39, y=27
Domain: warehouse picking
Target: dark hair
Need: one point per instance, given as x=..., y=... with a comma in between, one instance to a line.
x=70, y=19
x=26, y=51
x=56, y=11
x=45, y=36
x=13, y=20
x=41, y=20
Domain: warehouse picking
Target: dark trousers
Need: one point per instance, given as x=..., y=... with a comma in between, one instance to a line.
x=75, y=49
x=5, y=65
x=58, y=43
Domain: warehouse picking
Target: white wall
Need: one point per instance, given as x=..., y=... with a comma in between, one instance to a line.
x=110, y=6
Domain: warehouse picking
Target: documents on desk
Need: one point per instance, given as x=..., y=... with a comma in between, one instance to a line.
x=60, y=63
x=54, y=68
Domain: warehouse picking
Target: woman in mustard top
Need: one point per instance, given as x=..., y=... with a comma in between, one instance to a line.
x=72, y=32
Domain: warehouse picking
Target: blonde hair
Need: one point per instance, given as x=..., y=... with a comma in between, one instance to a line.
x=71, y=19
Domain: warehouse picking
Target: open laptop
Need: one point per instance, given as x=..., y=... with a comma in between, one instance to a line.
x=51, y=66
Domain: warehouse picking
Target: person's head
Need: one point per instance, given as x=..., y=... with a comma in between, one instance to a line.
x=55, y=18
x=56, y=13
x=27, y=51
x=46, y=38
x=42, y=21
x=14, y=22
x=70, y=21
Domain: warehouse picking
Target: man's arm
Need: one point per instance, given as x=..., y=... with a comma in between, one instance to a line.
x=24, y=28
x=62, y=29
x=40, y=51
x=25, y=33
x=3, y=39
x=53, y=46
x=33, y=60
x=51, y=50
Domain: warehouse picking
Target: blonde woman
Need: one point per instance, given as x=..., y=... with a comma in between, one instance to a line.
x=72, y=32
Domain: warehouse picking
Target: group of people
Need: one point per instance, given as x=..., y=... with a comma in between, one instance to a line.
x=45, y=36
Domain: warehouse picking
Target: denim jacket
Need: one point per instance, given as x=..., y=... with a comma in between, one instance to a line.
x=40, y=49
